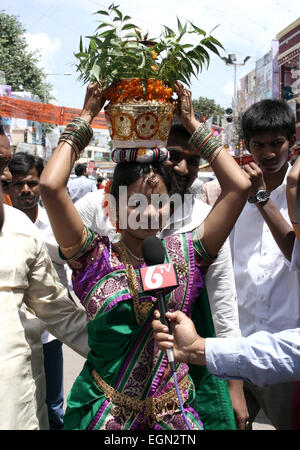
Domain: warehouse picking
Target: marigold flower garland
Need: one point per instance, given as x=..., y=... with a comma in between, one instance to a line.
x=133, y=89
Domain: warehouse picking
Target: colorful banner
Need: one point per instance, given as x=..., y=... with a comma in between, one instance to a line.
x=41, y=112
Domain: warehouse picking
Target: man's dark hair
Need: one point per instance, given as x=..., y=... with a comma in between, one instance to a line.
x=22, y=162
x=179, y=135
x=268, y=115
x=80, y=169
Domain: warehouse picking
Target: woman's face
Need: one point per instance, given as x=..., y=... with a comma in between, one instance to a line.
x=143, y=207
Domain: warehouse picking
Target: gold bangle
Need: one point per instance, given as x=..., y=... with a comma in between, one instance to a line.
x=78, y=243
x=72, y=145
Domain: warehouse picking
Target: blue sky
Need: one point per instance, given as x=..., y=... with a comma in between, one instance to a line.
x=245, y=28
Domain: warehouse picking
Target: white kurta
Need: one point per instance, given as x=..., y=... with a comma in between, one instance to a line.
x=268, y=285
x=29, y=287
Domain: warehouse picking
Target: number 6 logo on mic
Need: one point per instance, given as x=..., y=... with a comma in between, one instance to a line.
x=159, y=278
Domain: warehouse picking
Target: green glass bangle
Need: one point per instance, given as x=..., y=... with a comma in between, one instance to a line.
x=74, y=139
x=204, y=142
x=78, y=130
x=84, y=123
x=73, y=146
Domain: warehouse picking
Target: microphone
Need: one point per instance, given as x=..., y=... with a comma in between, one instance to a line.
x=158, y=279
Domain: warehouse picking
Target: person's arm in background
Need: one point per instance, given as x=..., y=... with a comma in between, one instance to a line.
x=281, y=230
x=262, y=358
x=291, y=195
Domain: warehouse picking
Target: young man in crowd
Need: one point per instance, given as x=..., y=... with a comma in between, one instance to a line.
x=262, y=243
x=78, y=187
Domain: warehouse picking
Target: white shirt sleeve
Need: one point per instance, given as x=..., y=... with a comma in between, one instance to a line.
x=88, y=206
x=220, y=285
x=262, y=358
x=50, y=302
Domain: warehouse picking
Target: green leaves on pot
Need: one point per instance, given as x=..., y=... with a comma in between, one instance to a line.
x=118, y=49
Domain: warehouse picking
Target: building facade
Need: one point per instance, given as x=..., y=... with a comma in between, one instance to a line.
x=289, y=70
x=262, y=82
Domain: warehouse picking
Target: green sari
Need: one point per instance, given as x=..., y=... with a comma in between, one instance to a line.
x=126, y=382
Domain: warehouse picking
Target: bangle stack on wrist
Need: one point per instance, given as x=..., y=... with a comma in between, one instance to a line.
x=205, y=144
x=78, y=134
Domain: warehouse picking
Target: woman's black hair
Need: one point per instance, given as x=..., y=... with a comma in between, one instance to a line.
x=126, y=173
x=22, y=162
x=268, y=115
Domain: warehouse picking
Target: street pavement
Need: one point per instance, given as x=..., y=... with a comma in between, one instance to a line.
x=73, y=364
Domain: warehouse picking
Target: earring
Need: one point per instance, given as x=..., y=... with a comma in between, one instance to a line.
x=153, y=180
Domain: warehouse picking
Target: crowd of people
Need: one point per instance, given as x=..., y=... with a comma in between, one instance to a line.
x=235, y=313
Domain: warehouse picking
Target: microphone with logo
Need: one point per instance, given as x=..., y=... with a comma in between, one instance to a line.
x=158, y=279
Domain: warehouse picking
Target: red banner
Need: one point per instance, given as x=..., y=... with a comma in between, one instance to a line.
x=43, y=112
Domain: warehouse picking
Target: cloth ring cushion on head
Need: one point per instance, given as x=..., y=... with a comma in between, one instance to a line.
x=142, y=155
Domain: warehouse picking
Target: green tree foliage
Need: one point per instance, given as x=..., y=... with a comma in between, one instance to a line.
x=17, y=62
x=208, y=107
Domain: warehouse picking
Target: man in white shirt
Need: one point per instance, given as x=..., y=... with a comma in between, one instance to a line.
x=30, y=292
x=78, y=187
x=262, y=244
x=24, y=194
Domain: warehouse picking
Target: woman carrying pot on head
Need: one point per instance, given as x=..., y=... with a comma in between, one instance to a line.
x=126, y=382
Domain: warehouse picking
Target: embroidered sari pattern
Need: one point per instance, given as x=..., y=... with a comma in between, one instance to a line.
x=144, y=372
x=122, y=353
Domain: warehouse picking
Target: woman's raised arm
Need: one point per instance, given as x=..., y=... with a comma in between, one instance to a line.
x=66, y=223
x=233, y=180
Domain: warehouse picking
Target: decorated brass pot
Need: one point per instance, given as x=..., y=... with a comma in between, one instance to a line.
x=144, y=123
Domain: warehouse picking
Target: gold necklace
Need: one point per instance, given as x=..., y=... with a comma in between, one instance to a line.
x=131, y=253
x=141, y=309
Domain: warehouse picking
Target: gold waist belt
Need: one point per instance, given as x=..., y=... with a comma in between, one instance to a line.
x=152, y=407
